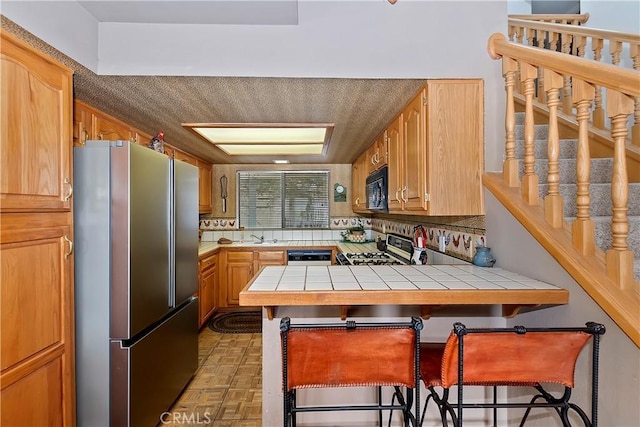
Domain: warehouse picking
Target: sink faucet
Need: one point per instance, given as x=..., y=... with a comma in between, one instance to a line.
x=259, y=238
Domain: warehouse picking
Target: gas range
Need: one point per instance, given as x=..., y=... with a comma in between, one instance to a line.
x=398, y=252
x=371, y=258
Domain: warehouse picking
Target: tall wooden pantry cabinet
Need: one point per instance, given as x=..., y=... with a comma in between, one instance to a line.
x=36, y=235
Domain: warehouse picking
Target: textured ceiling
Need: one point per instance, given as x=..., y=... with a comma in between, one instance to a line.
x=359, y=108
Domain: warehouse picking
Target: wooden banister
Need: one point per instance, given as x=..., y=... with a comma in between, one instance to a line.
x=587, y=32
x=564, y=18
x=610, y=76
x=575, y=83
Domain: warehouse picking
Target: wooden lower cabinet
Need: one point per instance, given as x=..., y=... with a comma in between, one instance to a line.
x=35, y=399
x=239, y=270
x=240, y=267
x=36, y=321
x=208, y=291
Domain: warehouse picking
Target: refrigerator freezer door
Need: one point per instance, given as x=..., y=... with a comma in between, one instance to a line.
x=140, y=238
x=160, y=366
x=185, y=231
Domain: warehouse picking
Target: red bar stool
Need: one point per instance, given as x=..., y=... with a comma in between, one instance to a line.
x=352, y=355
x=516, y=356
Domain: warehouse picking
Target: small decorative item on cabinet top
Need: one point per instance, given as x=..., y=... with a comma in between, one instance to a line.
x=157, y=142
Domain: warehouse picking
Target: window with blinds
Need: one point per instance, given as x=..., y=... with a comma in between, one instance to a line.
x=283, y=199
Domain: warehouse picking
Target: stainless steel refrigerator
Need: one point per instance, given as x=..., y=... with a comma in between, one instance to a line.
x=136, y=271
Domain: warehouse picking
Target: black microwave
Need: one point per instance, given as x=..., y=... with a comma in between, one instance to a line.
x=377, y=190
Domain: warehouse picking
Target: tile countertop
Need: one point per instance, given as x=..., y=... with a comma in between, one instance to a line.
x=428, y=286
x=205, y=247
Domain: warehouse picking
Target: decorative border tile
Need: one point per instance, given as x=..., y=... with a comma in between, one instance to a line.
x=335, y=223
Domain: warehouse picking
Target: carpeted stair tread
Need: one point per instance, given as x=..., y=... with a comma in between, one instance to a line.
x=601, y=170
x=568, y=149
x=539, y=132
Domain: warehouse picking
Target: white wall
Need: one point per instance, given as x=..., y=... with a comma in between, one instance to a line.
x=516, y=250
x=65, y=25
x=519, y=7
x=341, y=39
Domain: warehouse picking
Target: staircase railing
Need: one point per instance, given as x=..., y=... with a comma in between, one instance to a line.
x=575, y=40
x=526, y=64
x=562, y=18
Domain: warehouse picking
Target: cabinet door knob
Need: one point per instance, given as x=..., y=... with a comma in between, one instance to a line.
x=69, y=188
x=397, y=191
x=68, y=254
x=402, y=194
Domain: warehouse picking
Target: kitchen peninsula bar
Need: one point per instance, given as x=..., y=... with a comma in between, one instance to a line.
x=477, y=296
x=427, y=286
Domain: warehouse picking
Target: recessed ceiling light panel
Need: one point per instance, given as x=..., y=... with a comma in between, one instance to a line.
x=253, y=139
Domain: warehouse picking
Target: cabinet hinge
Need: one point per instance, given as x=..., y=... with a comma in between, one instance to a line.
x=424, y=100
x=426, y=197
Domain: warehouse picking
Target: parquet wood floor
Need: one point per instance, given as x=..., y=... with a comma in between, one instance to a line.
x=227, y=388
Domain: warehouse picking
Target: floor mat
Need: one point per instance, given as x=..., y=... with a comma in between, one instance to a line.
x=237, y=322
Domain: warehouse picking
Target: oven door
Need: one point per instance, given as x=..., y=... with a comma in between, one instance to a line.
x=377, y=190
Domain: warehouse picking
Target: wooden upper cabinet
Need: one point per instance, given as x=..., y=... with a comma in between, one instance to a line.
x=412, y=191
x=397, y=173
x=359, y=172
x=181, y=155
x=142, y=138
x=82, y=124
x=35, y=130
x=437, y=168
x=105, y=128
x=204, y=186
x=377, y=153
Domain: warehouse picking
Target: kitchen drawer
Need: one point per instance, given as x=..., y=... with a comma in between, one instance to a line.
x=241, y=256
x=270, y=256
x=207, y=263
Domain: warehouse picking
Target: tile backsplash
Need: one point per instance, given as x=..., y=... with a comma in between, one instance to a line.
x=459, y=242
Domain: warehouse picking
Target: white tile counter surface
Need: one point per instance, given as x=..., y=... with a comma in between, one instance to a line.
x=393, y=277
x=422, y=285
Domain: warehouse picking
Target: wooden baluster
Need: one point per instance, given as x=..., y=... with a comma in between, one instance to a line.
x=540, y=37
x=531, y=35
x=567, y=104
x=510, y=164
x=579, y=44
x=597, y=116
x=519, y=37
x=553, y=41
x=615, y=49
x=619, y=258
x=583, y=228
x=529, y=180
x=553, y=202
x=634, y=51
x=511, y=33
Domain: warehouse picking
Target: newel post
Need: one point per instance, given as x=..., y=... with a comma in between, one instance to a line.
x=583, y=228
x=619, y=258
x=529, y=190
x=553, y=203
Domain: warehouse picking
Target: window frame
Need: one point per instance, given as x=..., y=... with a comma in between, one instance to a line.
x=242, y=174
